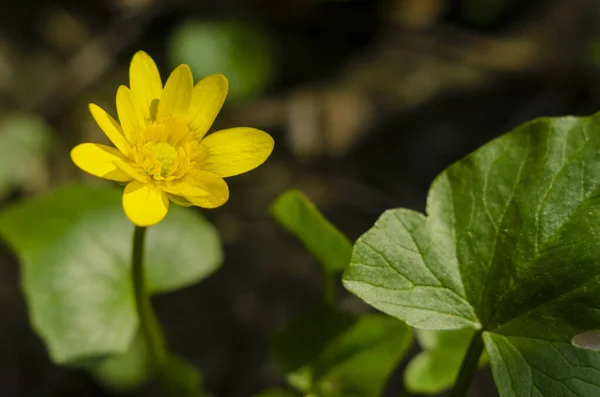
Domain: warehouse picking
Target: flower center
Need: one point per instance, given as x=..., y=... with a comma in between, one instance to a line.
x=166, y=157
x=167, y=150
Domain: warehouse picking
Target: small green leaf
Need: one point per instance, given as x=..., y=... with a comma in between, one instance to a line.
x=24, y=144
x=182, y=379
x=296, y=213
x=75, y=249
x=510, y=245
x=329, y=353
x=436, y=367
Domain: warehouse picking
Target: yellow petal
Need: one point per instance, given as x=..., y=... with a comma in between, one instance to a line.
x=184, y=187
x=131, y=118
x=133, y=171
x=236, y=150
x=144, y=204
x=177, y=95
x=110, y=127
x=208, y=97
x=217, y=191
x=146, y=85
x=99, y=160
x=182, y=201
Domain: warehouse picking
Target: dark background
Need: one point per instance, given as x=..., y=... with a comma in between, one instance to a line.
x=367, y=102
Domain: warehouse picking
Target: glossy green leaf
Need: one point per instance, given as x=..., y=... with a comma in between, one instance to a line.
x=296, y=213
x=510, y=245
x=75, y=246
x=436, y=367
x=24, y=144
x=328, y=353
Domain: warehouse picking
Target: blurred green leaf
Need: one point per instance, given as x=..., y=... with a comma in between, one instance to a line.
x=296, y=213
x=330, y=353
x=436, y=367
x=127, y=371
x=130, y=370
x=234, y=48
x=182, y=379
x=24, y=144
x=510, y=246
x=75, y=244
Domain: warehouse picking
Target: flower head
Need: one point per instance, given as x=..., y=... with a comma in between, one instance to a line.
x=162, y=150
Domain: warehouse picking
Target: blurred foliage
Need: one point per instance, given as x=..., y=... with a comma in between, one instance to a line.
x=24, y=145
x=436, y=367
x=127, y=371
x=277, y=393
x=234, y=48
x=326, y=352
x=329, y=353
x=296, y=213
x=181, y=379
x=76, y=266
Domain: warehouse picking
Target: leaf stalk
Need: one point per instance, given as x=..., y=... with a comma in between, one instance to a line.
x=469, y=366
x=149, y=325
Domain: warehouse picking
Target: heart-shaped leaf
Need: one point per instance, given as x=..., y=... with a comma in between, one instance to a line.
x=295, y=212
x=510, y=245
x=75, y=248
x=334, y=354
x=436, y=367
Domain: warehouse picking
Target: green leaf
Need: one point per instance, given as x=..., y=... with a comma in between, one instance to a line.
x=132, y=369
x=436, y=367
x=235, y=48
x=510, y=245
x=330, y=353
x=127, y=371
x=24, y=144
x=182, y=379
x=75, y=246
x=296, y=213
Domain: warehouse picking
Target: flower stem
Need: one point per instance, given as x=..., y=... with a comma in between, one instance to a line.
x=329, y=287
x=469, y=366
x=149, y=325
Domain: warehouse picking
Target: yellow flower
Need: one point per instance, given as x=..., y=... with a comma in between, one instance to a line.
x=162, y=150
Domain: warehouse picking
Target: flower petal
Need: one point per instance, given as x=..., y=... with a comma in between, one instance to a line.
x=133, y=171
x=146, y=85
x=176, y=98
x=110, y=127
x=131, y=118
x=144, y=204
x=217, y=191
x=182, y=201
x=184, y=187
x=208, y=97
x=236, y=150
x=99, y=160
